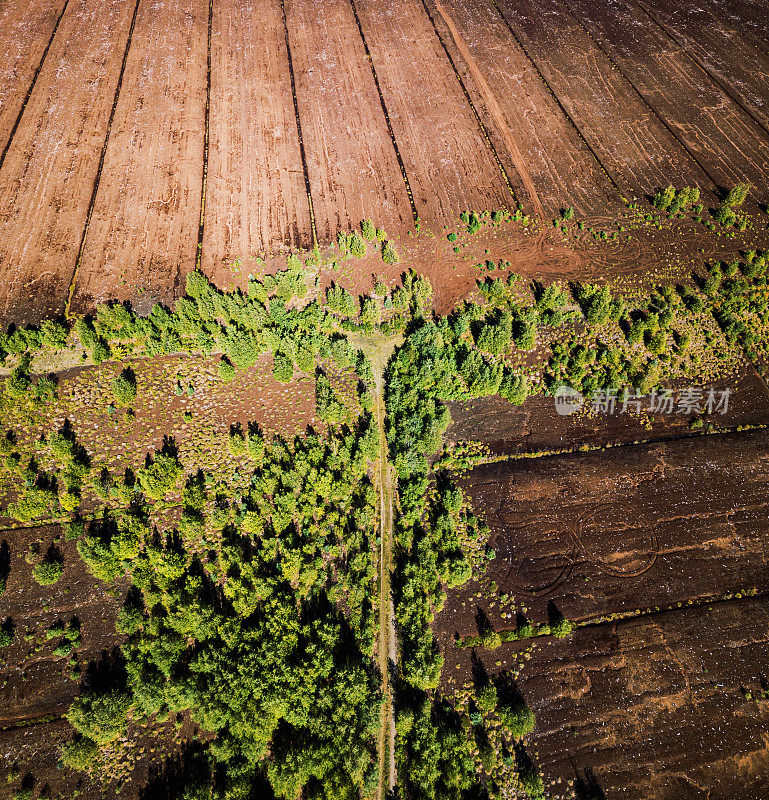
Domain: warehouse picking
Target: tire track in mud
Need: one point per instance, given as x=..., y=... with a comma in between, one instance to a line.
x=102, y=156
x=494, y=109
x=478, y=119
x=206, y=138
x=386, y=113
x=696, y=61
x=305, y=170
x=32, y=86
x=555, y=97
x=639, y=94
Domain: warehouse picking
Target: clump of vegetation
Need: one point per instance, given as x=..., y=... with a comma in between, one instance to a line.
x=50, y=569
x=389, y=256
x=725, y=214
x=124, y=387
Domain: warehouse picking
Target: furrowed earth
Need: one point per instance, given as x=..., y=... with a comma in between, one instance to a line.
x=293, y=296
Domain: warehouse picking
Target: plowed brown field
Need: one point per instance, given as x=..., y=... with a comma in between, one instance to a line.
x=119, y=126
x=145, y=239
x=256, y=198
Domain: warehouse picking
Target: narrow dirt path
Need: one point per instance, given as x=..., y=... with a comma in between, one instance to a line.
x=378, y=350
x=494, y=110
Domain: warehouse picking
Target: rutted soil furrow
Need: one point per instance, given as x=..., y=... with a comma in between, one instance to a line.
x=729, y=145
x=728, y=90
x=97, y=180
x=385, y=112
x=142, y=242
x=23, y=43
x=491, y=104
x=449, y=160
x=630, y=527
x=206, y=136
x=533, y=126
x=642, y=96
x=640, y=152
x=730, y=59
x=53, y=160
x=353, y=169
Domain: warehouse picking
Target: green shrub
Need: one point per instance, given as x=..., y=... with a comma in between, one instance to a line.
x=226, y=371
x=48, y=572
x=160, y=477
x=389, y=256
x=368, y=230
x=79, y=753
x=487, y=697
x=357, y=245
x=282, y=367
x=101, y=717
x=100, y=351
x=561, y=628
x=737, y=195
x=518, y=719
x=7, y=632
x=124, y=387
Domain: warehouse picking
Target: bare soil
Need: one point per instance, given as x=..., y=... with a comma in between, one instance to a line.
x=144, y=240
x=53, y=159
x=256, y=198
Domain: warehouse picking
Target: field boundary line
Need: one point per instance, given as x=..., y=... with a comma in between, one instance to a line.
x=469, y=99
x=386, y=113
x=581, y=449
x=723, y=87
x=206, y=140
x=640, y=95
x=102, y=156
x=302, y=152
x=31, y=87
x=556, y=98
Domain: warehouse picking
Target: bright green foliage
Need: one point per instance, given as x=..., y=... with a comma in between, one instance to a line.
x=737, y=195
x=48, y=572
x=357, y=245
x=34, y=503
x=45, y=389
x=664, y=197
x=100, y=717
x=487, y=697
x=514, y=388
x=80, y=753
x=327, y=406
x=596, y=303
x=53, y=335
x=237, y=442
x=438, y=753
x=160, y=477
x=368, y=230
x=226, y=371
x=124, y=387
x=495, y=332
x=283, y=367
x=18, y=381
x=267, y=639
